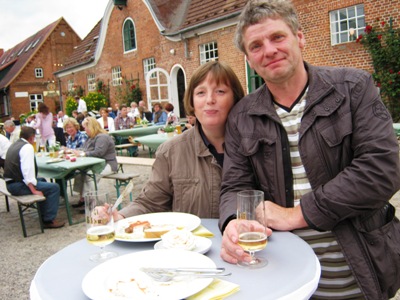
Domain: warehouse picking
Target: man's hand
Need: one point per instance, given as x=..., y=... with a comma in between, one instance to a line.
x=230, y=250
x=282, y=218
x=34, y=191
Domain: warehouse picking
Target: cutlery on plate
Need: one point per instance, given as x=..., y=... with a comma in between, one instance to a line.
x=167, y=274
x=184, y=270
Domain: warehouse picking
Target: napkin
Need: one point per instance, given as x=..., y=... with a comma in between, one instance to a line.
x=202, y=231
x=218, y=289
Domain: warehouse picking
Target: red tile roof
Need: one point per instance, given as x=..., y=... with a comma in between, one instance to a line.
x=15, y=59
x=85, y=51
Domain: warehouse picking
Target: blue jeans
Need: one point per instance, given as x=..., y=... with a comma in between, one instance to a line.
x=51, y=191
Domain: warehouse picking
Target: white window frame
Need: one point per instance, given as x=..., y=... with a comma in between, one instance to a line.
x=116, y=75
x=70, y=86
x=347, y=24
x=123, y=36
x=91, y=81
x=39, y=72
x=148, y=65
x=34, y=100
x=208, y=51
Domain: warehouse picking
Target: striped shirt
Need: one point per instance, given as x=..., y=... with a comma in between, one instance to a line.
x=337, y=281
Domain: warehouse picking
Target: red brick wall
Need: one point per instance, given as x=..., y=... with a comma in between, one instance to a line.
x=50, y=57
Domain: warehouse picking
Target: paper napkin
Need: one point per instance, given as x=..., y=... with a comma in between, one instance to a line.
x=218, y=289
x=202, y=231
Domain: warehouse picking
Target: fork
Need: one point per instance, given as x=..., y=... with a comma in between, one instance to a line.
x=167, y=274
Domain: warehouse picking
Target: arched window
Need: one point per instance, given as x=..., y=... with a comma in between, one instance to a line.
x=129, y=36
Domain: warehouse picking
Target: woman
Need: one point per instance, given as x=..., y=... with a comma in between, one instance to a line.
x=194, y=188
x=99, y=144
x=171, y=118
x=75, y=139
x=106, y=122
x=44, y=122
x=159, y=116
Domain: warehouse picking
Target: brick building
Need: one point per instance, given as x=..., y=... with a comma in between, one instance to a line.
x=26, y=70
x=156, y=44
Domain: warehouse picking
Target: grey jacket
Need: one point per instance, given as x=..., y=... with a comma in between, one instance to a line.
x=185, y=178
x=102, y=146
x=350, y=154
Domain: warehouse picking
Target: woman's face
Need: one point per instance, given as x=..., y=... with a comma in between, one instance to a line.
x=70, y=129
x=104, y=113
x=212, y=103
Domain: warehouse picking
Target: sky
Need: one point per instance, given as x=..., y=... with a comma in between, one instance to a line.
x=19, y=19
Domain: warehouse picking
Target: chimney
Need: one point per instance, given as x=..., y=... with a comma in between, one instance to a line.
x=1, y=51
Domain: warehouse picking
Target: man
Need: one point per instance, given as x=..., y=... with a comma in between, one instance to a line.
x=59, y=129
x=61, y=117
x=20, y=172
x=81, y=104
x=4, y=145
x=12, y=130
x=320, y=144
x=123, y=121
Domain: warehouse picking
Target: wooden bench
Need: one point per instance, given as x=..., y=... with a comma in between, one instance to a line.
x=139, y=161
x=121, y=179
x=24, y=202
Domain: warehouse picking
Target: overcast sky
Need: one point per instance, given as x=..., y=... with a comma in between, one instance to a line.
x=19, y=19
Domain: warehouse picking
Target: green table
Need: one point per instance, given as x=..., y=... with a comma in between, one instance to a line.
x=60, y=170
x=396, y=127
x=153, y=141
x=136, y=131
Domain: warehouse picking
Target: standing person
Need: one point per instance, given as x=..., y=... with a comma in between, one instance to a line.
x=20, y=167
x=81, y=105
x=211, y=93
x=12, y=130
x=123, y=121
x=106, y=122
x=159, y=116
x=4, y=145
x=44, y=122
x=320, y=143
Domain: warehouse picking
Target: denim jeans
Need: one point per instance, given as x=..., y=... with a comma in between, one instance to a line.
x=51, y=191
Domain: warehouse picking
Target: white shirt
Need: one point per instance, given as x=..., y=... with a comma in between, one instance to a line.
x=27, y=156
x=81, y=106
x=60, y=121
x=4, y=145
x=134, y=113
x=14, y=136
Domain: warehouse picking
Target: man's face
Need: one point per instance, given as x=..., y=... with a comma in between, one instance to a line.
x=9, y=129
x=124, y=112
x=272, y=50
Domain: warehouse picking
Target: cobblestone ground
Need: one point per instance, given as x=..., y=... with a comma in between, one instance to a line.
x=21, y=257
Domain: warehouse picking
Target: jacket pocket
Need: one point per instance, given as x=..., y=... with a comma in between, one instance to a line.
x=186, y=194
x=380, y=233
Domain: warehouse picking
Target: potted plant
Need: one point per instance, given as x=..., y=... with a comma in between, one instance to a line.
x=169, y=129
x=144, y=122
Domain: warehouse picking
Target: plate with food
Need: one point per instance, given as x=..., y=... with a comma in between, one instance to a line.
x=183, y=239
x=122, y=277
x=150, y=227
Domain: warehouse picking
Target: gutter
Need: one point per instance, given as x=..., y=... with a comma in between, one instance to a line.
x=74, y=66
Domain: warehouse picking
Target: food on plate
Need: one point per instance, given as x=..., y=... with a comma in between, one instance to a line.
x=179, y=239
x=156, y=231
x=138, y=225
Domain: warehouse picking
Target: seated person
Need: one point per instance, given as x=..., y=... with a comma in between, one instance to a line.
x=123, y=121
x=12, y=130
x=99, y=144
x=75, y=138
x=105, y=121
x=159, y=116
x=4, y=145
x=20, y=168
x=189, y=189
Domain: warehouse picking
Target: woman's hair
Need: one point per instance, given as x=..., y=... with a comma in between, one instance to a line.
x=93, y=126
x=257, y=11
x=103, y=109
x=157, y=104
x=43, y=108
x=169, y=107
x=220, y=73
x=71, y=121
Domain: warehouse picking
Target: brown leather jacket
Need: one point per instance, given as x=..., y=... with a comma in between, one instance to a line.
x=351, y=157
x=185, y=178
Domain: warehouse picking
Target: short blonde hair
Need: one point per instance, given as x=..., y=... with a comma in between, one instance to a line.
x=71, y=121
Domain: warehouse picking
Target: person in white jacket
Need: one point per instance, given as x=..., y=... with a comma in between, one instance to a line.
x=106, y=122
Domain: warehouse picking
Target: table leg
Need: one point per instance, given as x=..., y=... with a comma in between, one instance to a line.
x=67, y=205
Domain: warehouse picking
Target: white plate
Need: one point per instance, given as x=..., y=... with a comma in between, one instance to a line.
x=202, y=245
x=180, y=220
x=101, y=282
